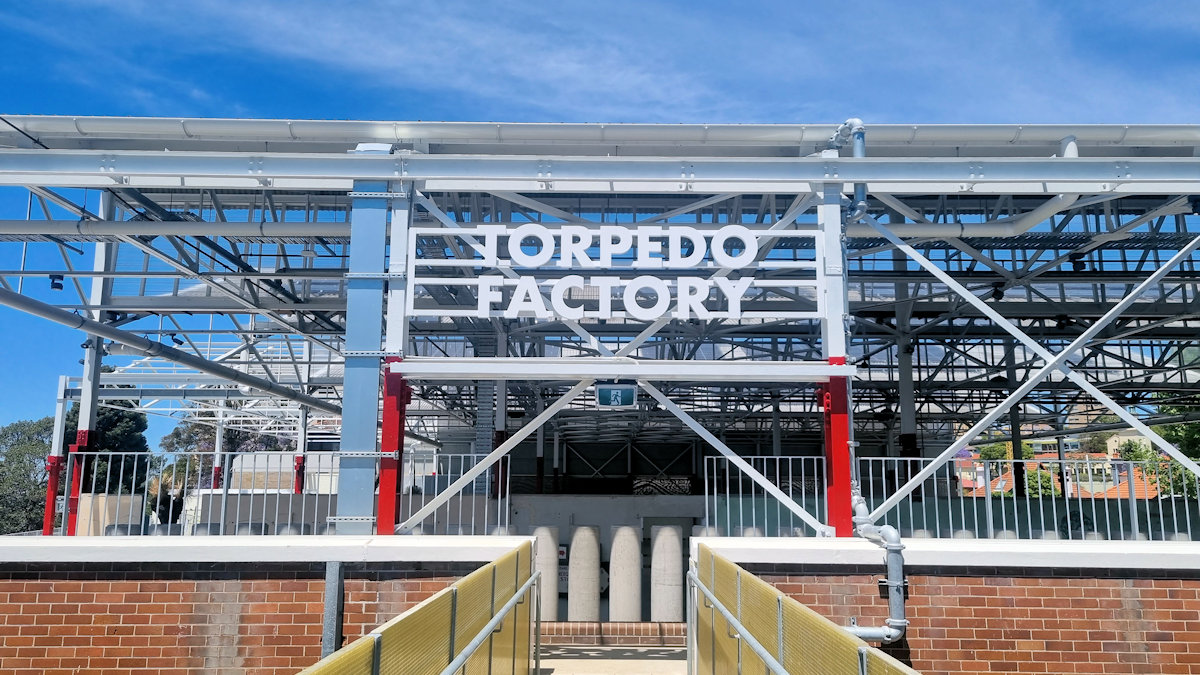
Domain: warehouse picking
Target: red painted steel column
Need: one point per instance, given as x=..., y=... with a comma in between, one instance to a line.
x=838, y=475
x=298, y=474
x=396, y=397
x=81, y=444
x=54, y=469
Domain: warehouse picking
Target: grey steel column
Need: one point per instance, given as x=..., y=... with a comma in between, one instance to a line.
x=364, y=333
x=1014, y=418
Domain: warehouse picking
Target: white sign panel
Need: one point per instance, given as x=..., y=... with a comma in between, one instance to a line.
x=645, y=272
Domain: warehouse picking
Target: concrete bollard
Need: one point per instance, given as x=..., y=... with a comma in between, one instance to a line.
x=1095, y=536
x=546, y=562
x=964, y=534
x=921, y=534
x=1179, y=536
x=583, y=577
x=1050, y=535
x=625, y=574
x=666, y=573
x=706, y=531
x=748, y=531
x=1006, y=534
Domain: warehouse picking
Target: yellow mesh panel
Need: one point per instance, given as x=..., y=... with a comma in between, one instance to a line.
x=704, y=614
x=725, y=647
x=418, y=641
x=503, y=646
x=524, y=611
x=760, y=615
x=356, y=658
x=473, y=612
x=815, y=645
x=879, y=663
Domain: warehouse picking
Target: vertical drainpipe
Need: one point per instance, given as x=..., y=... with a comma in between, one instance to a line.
x=858, y=147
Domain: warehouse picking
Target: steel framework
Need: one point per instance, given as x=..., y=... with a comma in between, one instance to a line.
x=277, y=253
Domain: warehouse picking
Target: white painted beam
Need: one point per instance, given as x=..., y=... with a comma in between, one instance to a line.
x=617, y=368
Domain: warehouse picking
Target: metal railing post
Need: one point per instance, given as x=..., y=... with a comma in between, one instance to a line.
x=987, y=497
x=331, y=619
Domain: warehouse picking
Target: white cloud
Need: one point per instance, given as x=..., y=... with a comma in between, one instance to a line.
x=623, y=60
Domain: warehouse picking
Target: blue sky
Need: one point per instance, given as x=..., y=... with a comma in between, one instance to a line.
x=1021, y=61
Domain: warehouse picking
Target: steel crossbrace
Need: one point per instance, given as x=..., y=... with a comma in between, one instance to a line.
x=1053, y=362
x=762, y=481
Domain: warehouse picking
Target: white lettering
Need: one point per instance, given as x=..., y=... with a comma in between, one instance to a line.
x=692, y=292
x=575, y=240
x=675, y=236
x=749, y=247
x=488, y=293
x=518, y=255
x=527, y=300
x=558, y=298
x=734, y=289
x=661, y=303
x=613, y=241
x=647, y=246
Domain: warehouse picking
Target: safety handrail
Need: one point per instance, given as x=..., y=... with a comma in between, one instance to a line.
x=742, y=632
x=481, y=637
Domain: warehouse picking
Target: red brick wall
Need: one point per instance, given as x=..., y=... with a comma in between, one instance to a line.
x=188, y=618
x=1016, y=622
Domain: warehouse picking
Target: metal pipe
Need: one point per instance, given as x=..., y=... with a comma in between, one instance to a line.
x=887, y=538
x=1001, y=227
x=141, y=228
x=151, y=348
x=49, y=128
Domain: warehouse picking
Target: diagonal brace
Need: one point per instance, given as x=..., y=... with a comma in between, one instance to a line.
x=1054, y=362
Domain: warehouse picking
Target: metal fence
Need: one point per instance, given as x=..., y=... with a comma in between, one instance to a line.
x=1088, y=498
x=484, y=623
x=260, y=493
x=738, y=623
x=481, y=507
x=1084, y=498
x=735, y=505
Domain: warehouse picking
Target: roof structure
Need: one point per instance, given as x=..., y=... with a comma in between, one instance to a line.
x=229, y=241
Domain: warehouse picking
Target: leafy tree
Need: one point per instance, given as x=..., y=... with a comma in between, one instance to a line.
x=24, y=447
x=1134, y=451
x=119, y=429
x=1096, y=442
x=1040, y=483
x=189, y=437
x=997, y=451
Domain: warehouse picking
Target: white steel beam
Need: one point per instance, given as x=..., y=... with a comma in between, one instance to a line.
x=617, y=367
x=186, y=169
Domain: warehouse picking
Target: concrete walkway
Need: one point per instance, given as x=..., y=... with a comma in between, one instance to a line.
x=613, y=661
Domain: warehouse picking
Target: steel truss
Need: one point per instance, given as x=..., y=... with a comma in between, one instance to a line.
x=234, y=246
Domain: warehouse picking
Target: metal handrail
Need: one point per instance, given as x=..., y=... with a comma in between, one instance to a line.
x=742, y=632
x=461, y=660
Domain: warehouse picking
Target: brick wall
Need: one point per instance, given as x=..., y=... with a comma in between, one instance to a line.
x=190, y=618
x=1021, y=621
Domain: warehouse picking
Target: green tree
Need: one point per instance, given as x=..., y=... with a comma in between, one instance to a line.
x=1040, y=483
x=119, y=429
x=24, y=447
x=1134, y=451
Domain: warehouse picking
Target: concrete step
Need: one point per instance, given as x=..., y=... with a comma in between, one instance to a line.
x=613, y=661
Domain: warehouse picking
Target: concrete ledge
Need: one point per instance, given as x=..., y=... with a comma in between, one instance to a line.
x=251, y=549
x=1110, y=555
